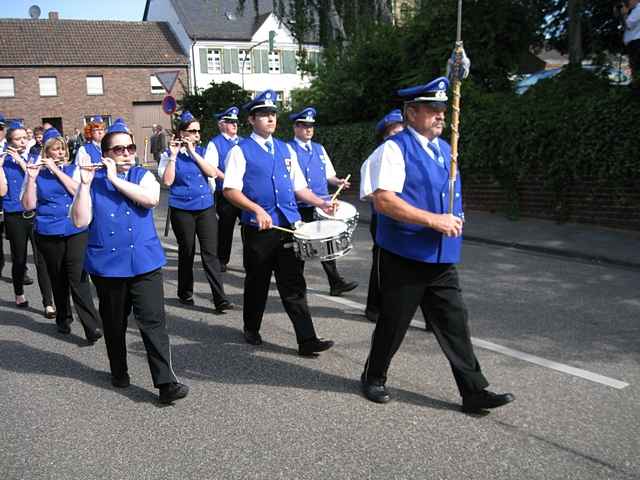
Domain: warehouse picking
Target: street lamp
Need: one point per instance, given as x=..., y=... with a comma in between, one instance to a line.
x=270, y=40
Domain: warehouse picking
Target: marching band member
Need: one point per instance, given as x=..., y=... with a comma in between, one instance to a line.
x=318, y=171
x=49, y=191
x=217, y=151
x=93, y=133
x=419, y=245
x=3, y=142
x=19, y=222
x=125, y=258
x=263, y=178
x=185, y=170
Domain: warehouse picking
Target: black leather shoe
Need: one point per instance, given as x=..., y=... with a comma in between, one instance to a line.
x=27, y=280
x=371, y=316
x=341, y=288
x=485, y=399
x=375, y=391
x=226, y=305
x=316, y=345
x=24, y=304
x=427, y=326
x=252, y=338
x=97, y=335
x=64, y=329
x=170, y=392
x=121, y=382
x=223, y=267
x=186, y=301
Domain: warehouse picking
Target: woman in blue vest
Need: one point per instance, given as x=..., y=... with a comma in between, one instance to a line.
x=263, y=178
x=184, y=169
x=19, y=222
x=217, y=151
x=93, y=132
x=420, y=243
x=318, y=171
x=125, y=258
x=49, y=190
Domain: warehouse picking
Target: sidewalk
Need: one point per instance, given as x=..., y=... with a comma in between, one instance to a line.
x=586, y=242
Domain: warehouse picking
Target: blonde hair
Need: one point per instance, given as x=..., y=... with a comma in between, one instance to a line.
x=49, y=143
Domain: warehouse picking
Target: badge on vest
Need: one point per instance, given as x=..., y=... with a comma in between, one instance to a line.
x=287, y=162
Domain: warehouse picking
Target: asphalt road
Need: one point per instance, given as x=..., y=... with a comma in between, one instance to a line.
x=264, y=412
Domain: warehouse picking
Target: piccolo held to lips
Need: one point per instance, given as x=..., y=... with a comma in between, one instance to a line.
x=96, y=166
x=43, y=164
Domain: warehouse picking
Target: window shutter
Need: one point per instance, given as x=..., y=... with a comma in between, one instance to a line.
x=255, y=60
x=264, y=57
x=289, y=61
x=233, y=52
x=227, y=58
x=203, y=60
x=314, y=58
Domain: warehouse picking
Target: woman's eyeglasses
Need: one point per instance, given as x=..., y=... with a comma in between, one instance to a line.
x=119, y=149
x=193, y=130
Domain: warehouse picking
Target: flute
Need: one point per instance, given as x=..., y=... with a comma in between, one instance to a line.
x=97, y=166
x=43, y=164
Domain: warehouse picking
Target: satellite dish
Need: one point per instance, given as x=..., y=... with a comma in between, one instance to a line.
x=34, y=12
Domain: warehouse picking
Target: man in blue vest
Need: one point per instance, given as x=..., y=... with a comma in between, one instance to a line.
x=3, y=142
x=216, y=154
x=318, y=171
x=263, y=178
x=419, y=246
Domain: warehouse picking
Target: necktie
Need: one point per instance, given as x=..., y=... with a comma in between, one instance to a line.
x=307, y=147
x=269, y=147
x=433, y=146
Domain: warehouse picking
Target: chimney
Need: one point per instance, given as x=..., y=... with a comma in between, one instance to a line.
x=54, y=16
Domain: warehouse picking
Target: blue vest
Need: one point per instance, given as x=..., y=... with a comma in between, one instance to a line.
x=312, y=166
x=34, y=153
x=426, y=186
x=15, y=178
x=94, y=152
x=190, y=189
x=222, y=146
x=53, y=204
x=122, y=236
x=267, y=182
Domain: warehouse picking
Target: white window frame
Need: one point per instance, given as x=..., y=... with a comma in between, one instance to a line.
x=7, y=87
x=47, y=88
x=156, y=86
x=247, y=63
x=214, y=60
x=92, y=90
x=275, y=62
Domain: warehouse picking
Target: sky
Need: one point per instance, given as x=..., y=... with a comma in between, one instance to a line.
x=76, y=9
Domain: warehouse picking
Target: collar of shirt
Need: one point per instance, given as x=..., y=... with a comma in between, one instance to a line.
x=229, y=138
x=424, y=142
x=302, y=144
x=97, y=145
x=262, y=141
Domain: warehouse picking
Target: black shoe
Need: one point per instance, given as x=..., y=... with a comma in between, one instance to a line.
x=50, y=312
x=341, y=288
x=374, y=391
x=97, y=335
x=226, y=305
x=313, y=346
x=121, y=382
x=24, y=304
x=64, y=329
x=252, y=338
x=169, y=392
x=27, y=280
x=223, y=267
x=427, y=326
x=186, y=301
x=371, y=316
x=476, y=402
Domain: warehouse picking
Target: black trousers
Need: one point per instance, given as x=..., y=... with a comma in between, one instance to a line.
x=330, y=267
x=64, y=257
x=1, y=242
x=144, y=294
x=187, y=224
x=264, y=253
x=228, y=214
x=19, y=231
x=406, y=284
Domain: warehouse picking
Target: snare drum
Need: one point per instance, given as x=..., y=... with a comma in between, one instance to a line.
x=346, y=213
x=324, y=240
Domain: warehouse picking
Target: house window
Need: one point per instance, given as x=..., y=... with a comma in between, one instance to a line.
x=243, y=56
x=214, y=61
x=274, y=62
x=48, y=86
x=156, y=86
x=7, y=87
x=94, y=85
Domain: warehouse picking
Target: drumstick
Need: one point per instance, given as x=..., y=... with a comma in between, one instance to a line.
x=288, y=230
x=335, y=195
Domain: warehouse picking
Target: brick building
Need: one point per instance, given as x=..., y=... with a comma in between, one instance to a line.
x=66, y=71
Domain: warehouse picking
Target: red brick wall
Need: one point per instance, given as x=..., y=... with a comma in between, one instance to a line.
x=586, y=202
x=121, y=87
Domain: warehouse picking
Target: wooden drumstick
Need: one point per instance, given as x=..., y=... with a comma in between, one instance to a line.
x=335, y=195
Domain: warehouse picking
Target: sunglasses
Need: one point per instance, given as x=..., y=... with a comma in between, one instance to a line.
x=193, y=130
x=119, y=149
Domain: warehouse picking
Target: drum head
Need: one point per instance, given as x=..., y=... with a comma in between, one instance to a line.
x=320, y=229
x=345, y=211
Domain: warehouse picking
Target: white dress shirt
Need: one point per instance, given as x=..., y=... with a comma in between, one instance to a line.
x=632, y=26
x=237, y=165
